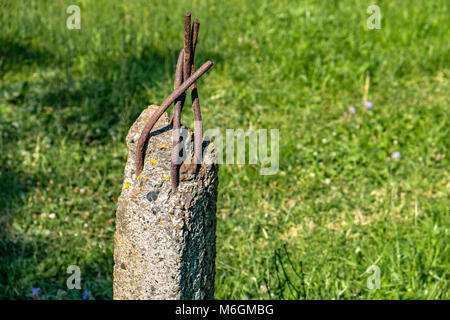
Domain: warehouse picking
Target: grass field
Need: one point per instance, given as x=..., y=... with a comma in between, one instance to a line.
x=340, y=202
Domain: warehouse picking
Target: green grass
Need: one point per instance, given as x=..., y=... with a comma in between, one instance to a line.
x=336, y=207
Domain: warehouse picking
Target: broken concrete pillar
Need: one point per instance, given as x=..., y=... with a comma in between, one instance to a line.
x=165, y=239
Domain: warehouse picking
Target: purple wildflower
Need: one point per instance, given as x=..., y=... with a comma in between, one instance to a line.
x=86, y=295
x=388, y=159
x=352, y=110
x=369, y=105
x=35, y=292
x=395, y=155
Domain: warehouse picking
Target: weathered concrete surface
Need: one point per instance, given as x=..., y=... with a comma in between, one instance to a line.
x=165, y=240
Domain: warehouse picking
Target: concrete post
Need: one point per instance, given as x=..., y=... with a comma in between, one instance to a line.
x=165, y=239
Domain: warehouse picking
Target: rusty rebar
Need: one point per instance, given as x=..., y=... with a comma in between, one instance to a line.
x=187, y=45
x=186, y=66
x=194, y=37
x=179, y=102
x=198, y=128
x=140, y=148
x=187, y=53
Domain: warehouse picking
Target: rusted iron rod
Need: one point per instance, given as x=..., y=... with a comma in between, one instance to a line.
x=194, y=37
x=179, y=102
x=187, y=45
x=187, y=53
x=195, y=101
x=140, y=148
x=186, y=66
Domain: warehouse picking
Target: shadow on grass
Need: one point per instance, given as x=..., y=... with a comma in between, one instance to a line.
x=289, y=280
x=14, y=55
x=36, y=257
x=13, y=251
x=110, y=94
x=25, y=265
